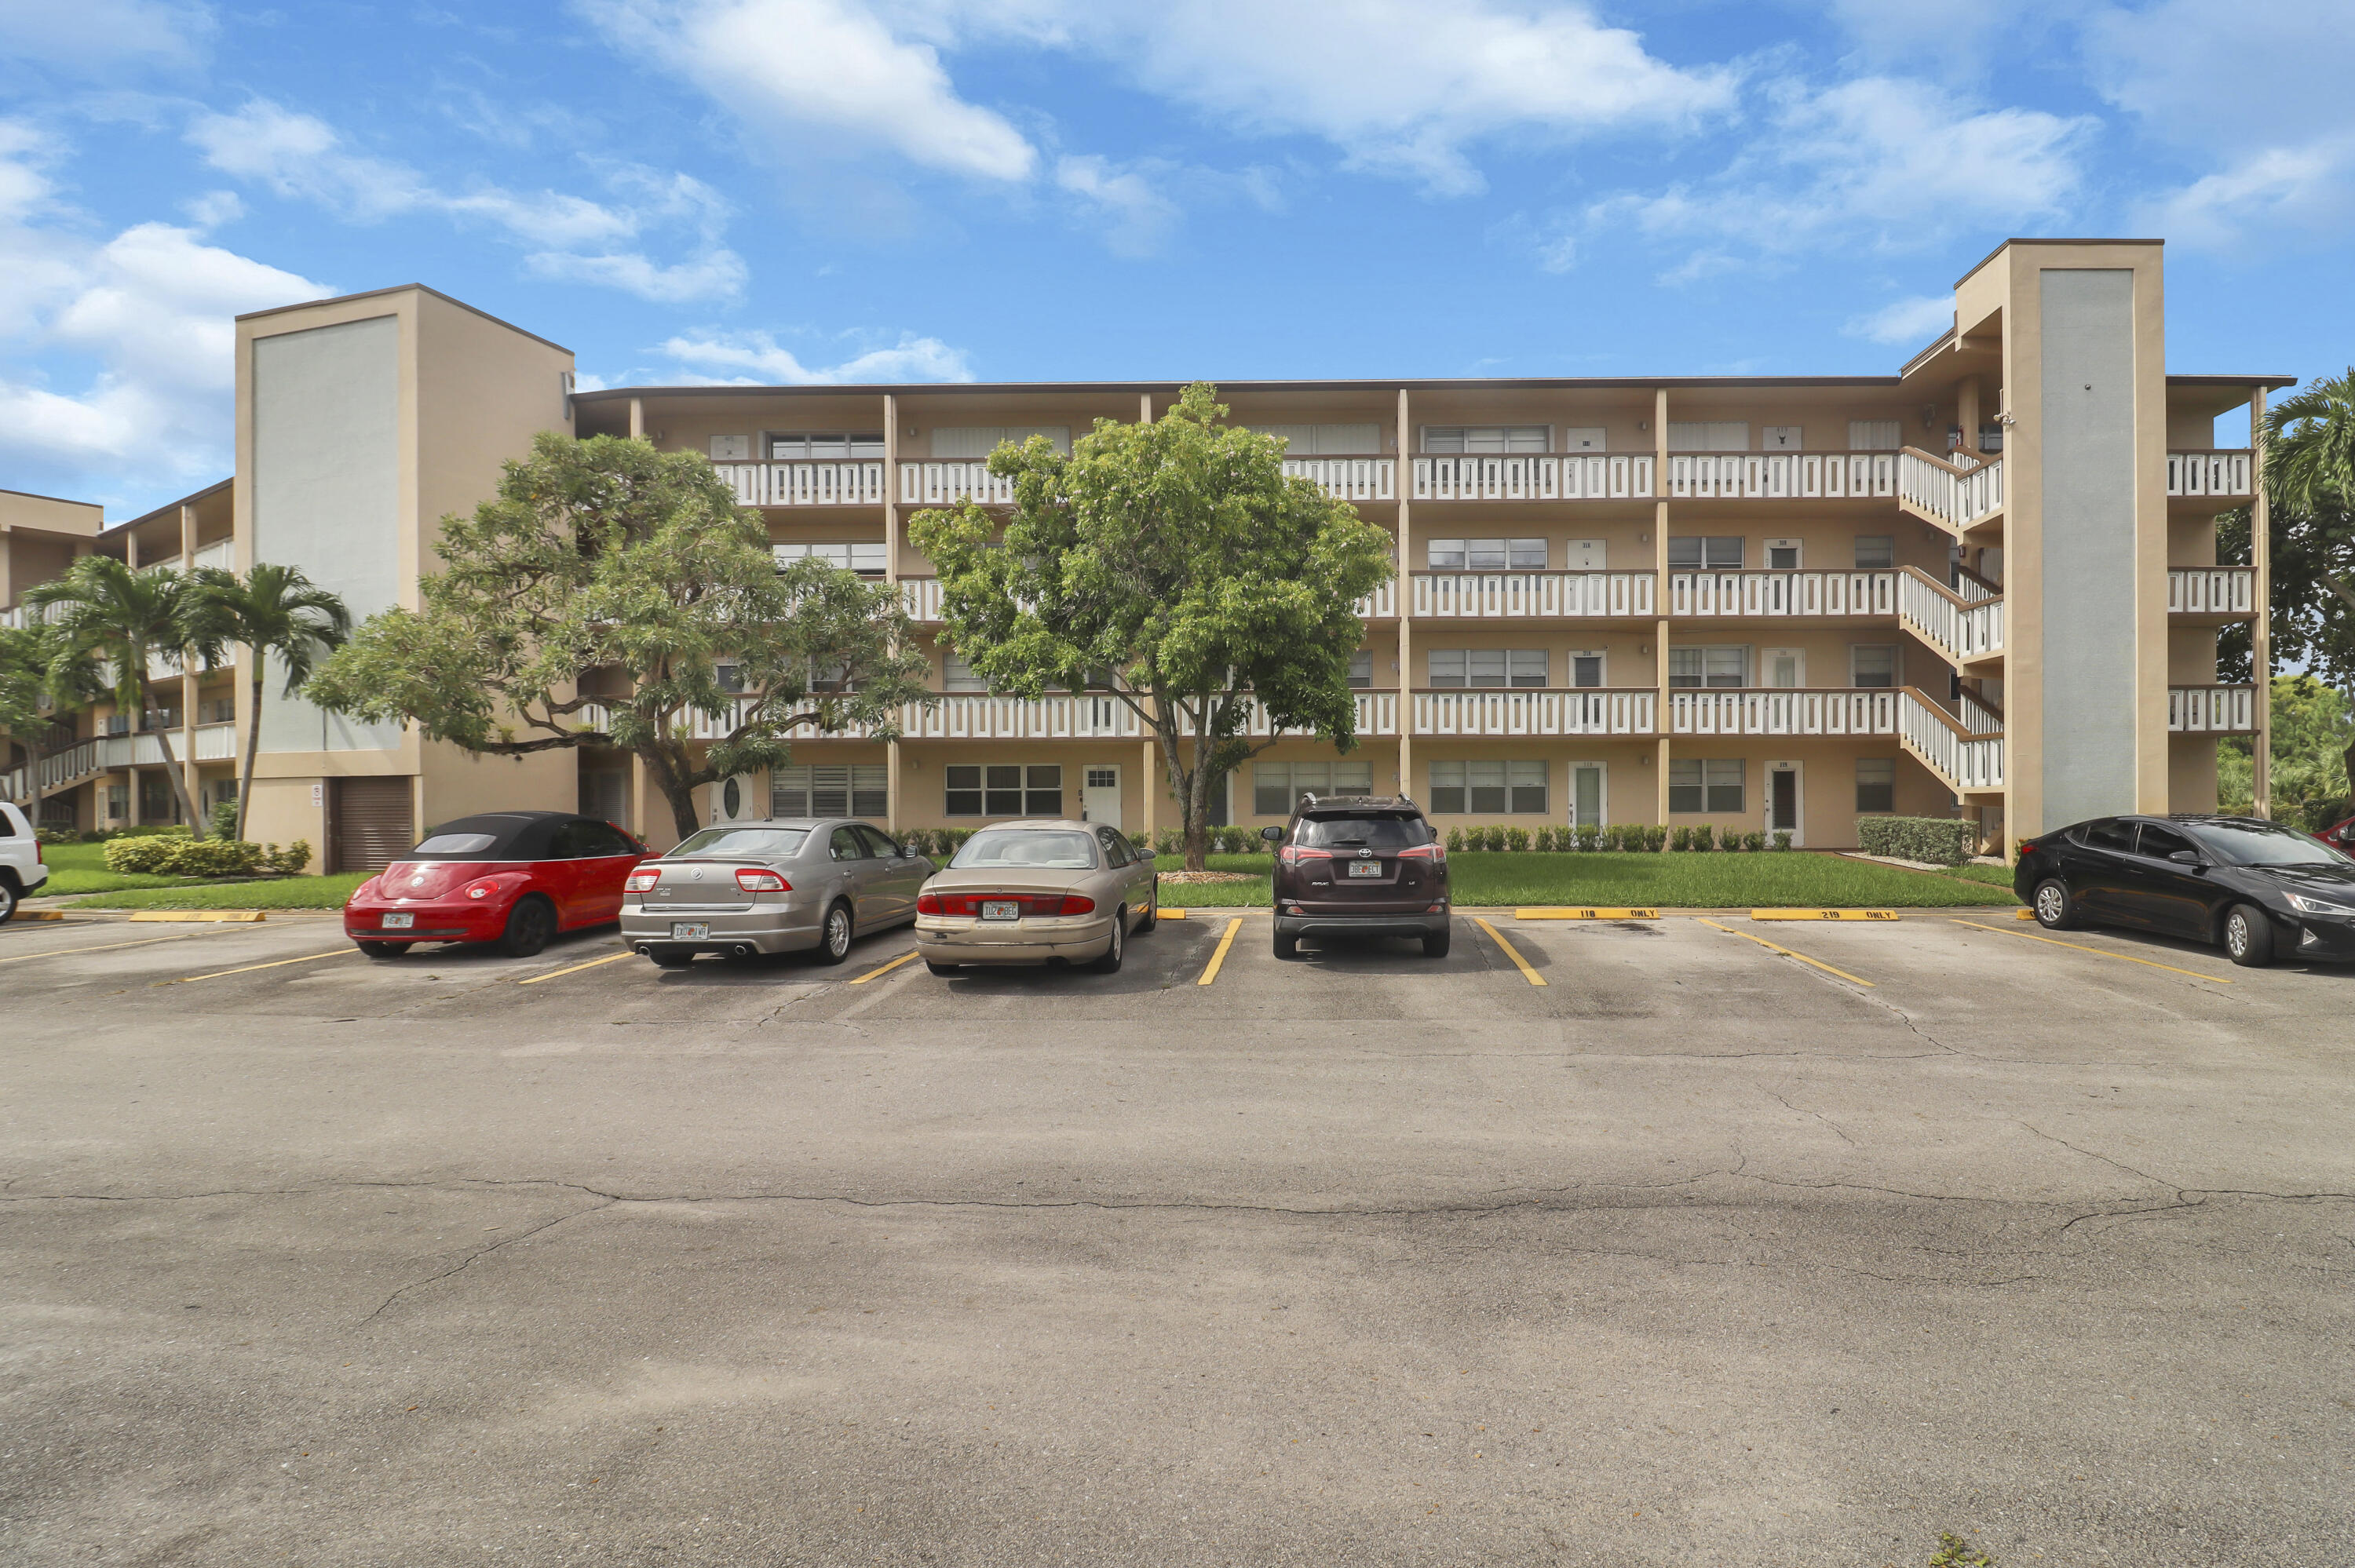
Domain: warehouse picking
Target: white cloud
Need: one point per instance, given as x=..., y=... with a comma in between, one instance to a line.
x=757, y=358
x=568, y=237
x=2309, y=188
x=1905, y=324
x=1136, y=217
x=105, y=38
x=818, y=74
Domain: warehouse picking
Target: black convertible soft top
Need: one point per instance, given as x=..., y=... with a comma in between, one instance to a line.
x=493, y=835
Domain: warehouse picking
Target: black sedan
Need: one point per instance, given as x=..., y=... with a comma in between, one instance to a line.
x=2260, y=889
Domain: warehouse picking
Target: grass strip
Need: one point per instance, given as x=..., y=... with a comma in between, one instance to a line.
x=267, y=892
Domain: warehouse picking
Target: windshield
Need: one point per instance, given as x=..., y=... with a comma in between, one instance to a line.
x=2267, y=843
x=1032, y=849
x=756, y=843
x=1388, y=835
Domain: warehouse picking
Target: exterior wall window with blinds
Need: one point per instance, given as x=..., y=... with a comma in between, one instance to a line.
x=1872, y=436
x=1709, y=435
x=1872, y=664
x=863, y=790
x=806, y=445
x=1725, y=666
x=1461, y=667
x=1876, y=552
x=1487, y=555
x=1876, y=784
x=1362, y=669
x=1585, y=668
x=967, y=442
x=1319, y=440
x=1277, y=786
x=1705, y=784
x=1482, y=438
x=1498, y=789
x=956, y=675
x=863, y=557
x=1003, y=789
x=1705, y=553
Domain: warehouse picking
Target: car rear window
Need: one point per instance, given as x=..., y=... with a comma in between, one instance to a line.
x=1037, y=849
x=2261, y=843
x=1373, y=833
x=452, y=846
x=757, y=844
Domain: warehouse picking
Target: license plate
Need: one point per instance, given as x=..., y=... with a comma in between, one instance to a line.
x=1001, y=909
x=1365, y=868
x=690, y=930
x=399, y=922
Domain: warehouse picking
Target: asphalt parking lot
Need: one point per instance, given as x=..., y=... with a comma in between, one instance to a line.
x=1699, y=1252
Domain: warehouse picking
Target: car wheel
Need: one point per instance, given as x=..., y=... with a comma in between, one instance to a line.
x=671, y=959
x=384, y=949
x=833, y=936
x=941, y=968
x=7, y=899
x=1286, y=945
x=2249, y=937
x=1110, y=963
x=1435, y=946
x=1151, y=911
x=530, y=924
x=2055, y=906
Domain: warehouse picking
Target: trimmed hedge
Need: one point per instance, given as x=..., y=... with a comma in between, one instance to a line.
x=177, y=854
x=1939, y=841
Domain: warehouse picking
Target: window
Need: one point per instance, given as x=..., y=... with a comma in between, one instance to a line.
x=1872, y=435
x=1711, y=553
x=1705, y=784
x=863, y=557
x=1876, y=784
x=1311, y=441
x=1488, y=667
x=2159, y=842
x=1487, y=555
x=956, y=675
x=1876, y=552
x=846, y=844
x=1003, y=789
x=1026, y=849
x=1277, y=786
x=1104, y=778
x=1871, y=664
x=1489, y=788
x=1382, y=835
x=1362, y=669
x=1782, y=555
x=801, y=446
x=757, y=844
x=1711, y=436
x=880, y=845
x=1116, y=851
x=1484, y=437
x=1586, y=669
x=730, y=677
x=2110, y=834
x=859, y=791
x=979, y=440
x=1723, y=667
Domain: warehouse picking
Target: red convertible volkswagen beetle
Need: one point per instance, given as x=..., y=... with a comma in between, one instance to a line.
x=515, y=878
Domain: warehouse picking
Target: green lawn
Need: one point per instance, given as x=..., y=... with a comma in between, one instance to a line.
x=81, y=868
x=266, y=893
x=1993, y=875
x=1670, y=881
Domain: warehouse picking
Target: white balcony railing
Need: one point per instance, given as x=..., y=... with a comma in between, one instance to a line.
x=1378, y=715
x=1347, y=479
x=922, y=597
x=1782, y=593
x=1532, y=478
x=2209, y=474
x=1966, y=763
x=1531, y=595
x=1084, y=716
x=1958, y=628
x=1822, y=712
x=1953, y=495
x=1781, y=476
x=1977, y=718
x=2212, y=590
x=847, y=482
x=214, y=742
x=17, y=785
x=2212, y=710
x=1605, y=711
x=946, y=483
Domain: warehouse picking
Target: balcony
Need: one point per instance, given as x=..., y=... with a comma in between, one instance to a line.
x=947, y=484
x=922, y=597
x=1629, y=711
x=1955, y=496
x=844, y=483
x=1533, y=478
x=1531, y=596
x=1964, y=625
x=2212, y=710
x=1966, y=763
x=1774, y=594
x=1825, y=711
x=2222, y=593
x=1782, y=476
x=2225, y=473
x=1081, y=717
x=1347, y=479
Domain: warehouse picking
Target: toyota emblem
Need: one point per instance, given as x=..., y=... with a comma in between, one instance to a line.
x=1365, y=854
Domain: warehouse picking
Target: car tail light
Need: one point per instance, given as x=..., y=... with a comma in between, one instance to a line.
x=753, y=881
x=641, y=881
x=1424, y=851
x=1033, y=906
x=1072, y=904
x=1293, y=854
x=482, y=889
x=928, y=904
x=365, y=890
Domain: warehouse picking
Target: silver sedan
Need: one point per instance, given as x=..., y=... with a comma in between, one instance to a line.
x=1038, y=892
x=775, y=886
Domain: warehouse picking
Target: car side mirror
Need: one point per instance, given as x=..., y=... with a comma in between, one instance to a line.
x=2191, y=858
x=1272, y=835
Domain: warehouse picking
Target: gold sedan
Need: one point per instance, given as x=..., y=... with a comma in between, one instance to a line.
x=1038, y=892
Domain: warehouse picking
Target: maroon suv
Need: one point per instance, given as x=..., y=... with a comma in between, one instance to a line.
x=1358, y=866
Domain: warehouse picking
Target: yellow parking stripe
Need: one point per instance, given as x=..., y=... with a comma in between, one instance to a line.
x=1218, y=958
x=886, y=969
x=2103, y=952
x=1520, y=962
x=1777, y=947
x=108, y=947
x=274, y=964
x=559, y=974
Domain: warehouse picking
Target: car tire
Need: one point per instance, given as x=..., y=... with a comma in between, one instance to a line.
x=671, y=959
x=2054, y=906
x=384, y=949
x=834, y=934
x=943, y=970
x=1110, y=963
x=1287, y=946
x=531, y=925
x=2248, y=937
x=1151, y=911
x=1435, y=946
x=8, y=899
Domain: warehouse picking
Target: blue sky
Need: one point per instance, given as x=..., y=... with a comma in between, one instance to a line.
x=790, y=190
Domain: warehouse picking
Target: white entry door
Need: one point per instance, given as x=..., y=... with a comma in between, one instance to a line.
x=1589, y=803
x=1784, y=807
x=1100, y=796
x=1786, y=668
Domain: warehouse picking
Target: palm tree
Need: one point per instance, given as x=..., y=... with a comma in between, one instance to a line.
x=102, y=607
x=2311, y=455
x=273, y=609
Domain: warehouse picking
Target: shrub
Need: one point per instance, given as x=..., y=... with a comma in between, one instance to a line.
x=1680, y=839
x=216, y=857
x=1590, y=837
x=1494, y=837
x=1541, y=840
x=222, y=822
x=149, y=854
x=1938, y=841
x=147, y=830
x=55, y=835
x=1455, y=841
x=1704, y=836
x=1234, y=838
x=1782, y=838
x=1168, y=840
x=1751, y=843
x=289, y=861
x=1517, y=840
x=1656, y=837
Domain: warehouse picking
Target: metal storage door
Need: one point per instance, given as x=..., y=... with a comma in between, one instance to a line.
x=368, y=822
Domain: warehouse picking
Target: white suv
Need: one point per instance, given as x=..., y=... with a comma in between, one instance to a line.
x=21, y=869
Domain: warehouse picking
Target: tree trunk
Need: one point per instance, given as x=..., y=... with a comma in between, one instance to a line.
x=171, y=764
x=671, y=779
x=252, y=744
x=1198, y=800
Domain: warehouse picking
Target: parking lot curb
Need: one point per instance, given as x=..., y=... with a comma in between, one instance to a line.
x=183, y=916
x=39, y=915
x=1566, y=914
x=1824, y=914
